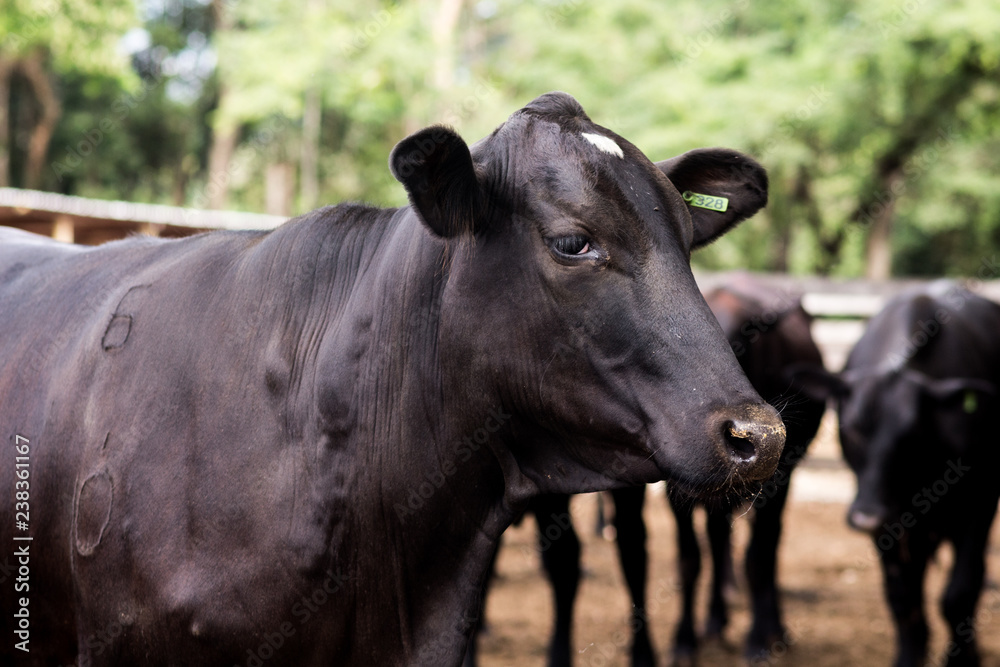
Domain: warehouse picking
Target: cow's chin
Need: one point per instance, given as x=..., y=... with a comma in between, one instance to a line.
x=628, y=469
x=705, y=478
x=587, y=468
x=582, y=465
x=723, y=489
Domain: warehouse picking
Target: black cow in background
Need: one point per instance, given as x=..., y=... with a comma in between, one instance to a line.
x=769, y=332
x=917, y=402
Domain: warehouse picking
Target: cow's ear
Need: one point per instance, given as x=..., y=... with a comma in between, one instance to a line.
x=436, y=168
x=721, y=187
x=816, y=382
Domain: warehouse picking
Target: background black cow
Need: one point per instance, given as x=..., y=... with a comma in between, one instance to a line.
x=770, y=333
x=917, y=402
x=306, y=443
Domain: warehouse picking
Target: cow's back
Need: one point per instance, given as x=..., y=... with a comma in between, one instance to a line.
x=101, y=349
x=942, y=330
x=166, y=388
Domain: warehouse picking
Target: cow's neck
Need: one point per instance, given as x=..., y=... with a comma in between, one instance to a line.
x=433, y=489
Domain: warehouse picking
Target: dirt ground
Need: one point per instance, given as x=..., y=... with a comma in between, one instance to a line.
x=829, y=576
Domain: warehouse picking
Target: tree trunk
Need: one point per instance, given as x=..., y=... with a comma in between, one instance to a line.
x=224, y=138
x=778, y=208
x=879, y=251
x=877, y=207
x=41, y=135
x=807, y=209
x=219, y=157
x=878, y=264
x=279, y=184
x=312, y=115
x=6, y=70
x=443, y=32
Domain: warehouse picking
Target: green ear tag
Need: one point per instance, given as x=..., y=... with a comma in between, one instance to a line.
x=970, y=403
x=719, y=204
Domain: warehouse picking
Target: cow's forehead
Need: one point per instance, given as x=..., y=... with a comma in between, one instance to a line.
x=539, y=139
x=604, y=143
x=552, y=162
x=568, y=158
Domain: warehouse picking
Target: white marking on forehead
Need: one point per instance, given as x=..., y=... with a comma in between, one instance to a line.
x=604, y=143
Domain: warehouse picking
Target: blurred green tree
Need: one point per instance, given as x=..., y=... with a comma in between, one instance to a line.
x=877, y=123
x=41, y=39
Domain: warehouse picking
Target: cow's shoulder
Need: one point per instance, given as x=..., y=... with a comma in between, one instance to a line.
x=21, y=248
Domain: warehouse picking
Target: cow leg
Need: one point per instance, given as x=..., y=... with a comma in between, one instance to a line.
x=631, y=531
x=689, y=559
x=903, y=568
x=761, y=568
x=560, y=548
x=472, y=649
x=964, y=588
x=719, y=525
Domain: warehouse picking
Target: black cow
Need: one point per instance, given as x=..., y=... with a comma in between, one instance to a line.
x=770, y=333
x=302, y=446
x=917, y=401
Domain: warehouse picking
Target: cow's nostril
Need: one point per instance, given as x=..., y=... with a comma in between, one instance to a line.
x=740, y=443
x=751, y=442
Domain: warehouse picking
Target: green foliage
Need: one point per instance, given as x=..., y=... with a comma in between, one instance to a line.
x=853, y=107
x=79, y=34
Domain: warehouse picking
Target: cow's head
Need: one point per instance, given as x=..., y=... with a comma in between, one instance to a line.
x=897, y=426
x=570, y=299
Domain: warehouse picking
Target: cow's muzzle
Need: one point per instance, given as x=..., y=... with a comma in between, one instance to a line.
x=752, y=442
x=865, y=517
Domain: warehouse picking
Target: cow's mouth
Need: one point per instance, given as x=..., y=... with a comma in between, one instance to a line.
x=727, y=489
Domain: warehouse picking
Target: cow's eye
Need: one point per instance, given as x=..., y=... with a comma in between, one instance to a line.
x=577, y=245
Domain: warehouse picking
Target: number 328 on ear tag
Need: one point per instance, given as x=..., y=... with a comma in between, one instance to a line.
x=719, y=204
